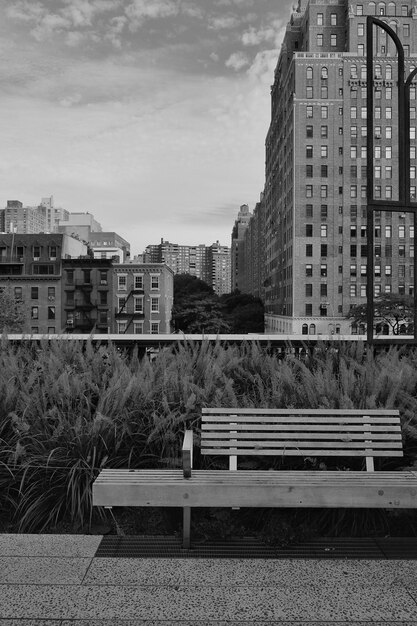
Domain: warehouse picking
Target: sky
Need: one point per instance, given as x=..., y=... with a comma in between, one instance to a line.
x=149, y=114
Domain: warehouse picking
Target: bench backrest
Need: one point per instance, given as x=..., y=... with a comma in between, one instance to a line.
x=301, y=432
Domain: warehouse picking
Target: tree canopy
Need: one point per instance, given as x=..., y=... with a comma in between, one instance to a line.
x=198, y=309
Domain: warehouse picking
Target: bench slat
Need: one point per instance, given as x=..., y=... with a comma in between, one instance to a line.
x=346, y=452
x=277, y=436
x=330, y=412
x=288, y=418
x=261, y=489
x=342, y=427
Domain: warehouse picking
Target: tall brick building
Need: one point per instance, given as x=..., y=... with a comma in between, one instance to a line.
x=316, y=148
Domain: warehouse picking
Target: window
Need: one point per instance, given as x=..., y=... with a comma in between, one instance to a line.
x=323, y=92
x=353, y=191
x=309, y=230
x=361, y=29
x=155, y=305
x=320, y=17
x=388, y=192
x=309, y=73
x=377, y=171
x=323, y=191
x=324, y=73
x=309, y=131
x=309, y=270
x=154, y=328
x=364, y=112
x=309, y=92
x=359, y=9
x=34, y=313
x=353, y=152
x=319, y=40
x=352, y=290
x=363, y=152
x=121, y=282
x=309, y=112
x=34, y=293
x=353, y=231
x=323, y=230
x=309, y=191
x=70, y=277
x=52, y=253
x=51, y=293
x=324, y=112
x=323, y=249
x=138, y=281
x=309, y=171
x=333, y=40
x=333, y=19
x=388, y=72
x=388, y=152
x=406, y=30
x=51, y=312
x=388, y=171
x=36, y=253
x=121, y=304
x=138, y=328
x=353, y=71
x=323, y=270
x=138, y=304
x=324, y=132
x=309, y=249
x=309, y=152
x=154, y=281
x=121, y=327
x=309, y=210
x=324, y=152
x=103, y=278
x=388, y=113
x=103, y=297
x=361, y=49
x=353, y=270
x=323, y=171
x=309, y=309
x=353, y=250
x=353, y=113
x=51, y=330
x=323, y=211
x=309, y=290
x=388, y=93
x=362, y=291
x=323, y=289
x=388, y=231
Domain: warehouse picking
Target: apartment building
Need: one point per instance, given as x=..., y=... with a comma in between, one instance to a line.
x=143, y=296
x=32, y=265
x=237, y=249
x=209, y=263
x=315, y=194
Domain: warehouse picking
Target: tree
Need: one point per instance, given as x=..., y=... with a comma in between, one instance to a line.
x=12, y=312
x=392, y=309
x=244, y=312
x=196, y=308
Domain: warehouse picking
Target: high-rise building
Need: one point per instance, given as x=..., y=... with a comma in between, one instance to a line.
x=209, y=263
x=16, y=218
x=237, y=249
x=52, y=214
x=316, y=156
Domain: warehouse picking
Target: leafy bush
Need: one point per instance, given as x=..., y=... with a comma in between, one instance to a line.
x=68, y=409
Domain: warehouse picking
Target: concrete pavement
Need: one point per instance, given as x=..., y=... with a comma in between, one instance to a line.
x=56, y=580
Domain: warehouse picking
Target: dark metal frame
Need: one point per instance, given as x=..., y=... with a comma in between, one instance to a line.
x=403, y=204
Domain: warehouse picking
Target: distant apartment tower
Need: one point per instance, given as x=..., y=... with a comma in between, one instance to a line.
x=209, y=263
x=237, y=249
x=51, y=214
x=251, y=273
x=80, y=225
x=316, y=149
x=23, y=220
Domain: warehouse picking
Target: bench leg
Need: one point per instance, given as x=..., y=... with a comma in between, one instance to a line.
x=186, y=527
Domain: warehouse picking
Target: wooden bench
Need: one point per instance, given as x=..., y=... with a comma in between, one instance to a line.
x=278, y=433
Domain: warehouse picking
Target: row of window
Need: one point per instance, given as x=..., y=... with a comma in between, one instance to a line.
x=138, y=306
x=137, y=281
x=320, y=40
x=388, y=75
x=34, y=312
x=362, y=251
x=34, y=293
x=356, y=290
x=381, y=8
x=379, y=191
x=122, y=327
x=52, y=252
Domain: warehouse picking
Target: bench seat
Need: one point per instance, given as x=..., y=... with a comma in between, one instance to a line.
x=247, y=488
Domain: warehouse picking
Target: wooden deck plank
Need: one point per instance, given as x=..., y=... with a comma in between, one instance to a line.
x=296, y=427
x=313, y=436
x=290, y=418
x=234, y=411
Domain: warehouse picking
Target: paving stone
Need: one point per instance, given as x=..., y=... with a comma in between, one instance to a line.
x=49, y=545
x=42, y=570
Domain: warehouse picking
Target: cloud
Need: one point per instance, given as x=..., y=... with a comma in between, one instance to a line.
x=141, y=10
x=263, y=66
x=237, y=61
x=224, y=22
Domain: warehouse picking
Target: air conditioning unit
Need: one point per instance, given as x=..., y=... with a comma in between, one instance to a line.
x=51, y=298
x=377, y=135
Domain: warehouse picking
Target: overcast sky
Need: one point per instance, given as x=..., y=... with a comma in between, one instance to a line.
x=149, y=114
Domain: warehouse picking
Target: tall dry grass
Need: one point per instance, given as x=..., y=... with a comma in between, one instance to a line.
x=68, y=409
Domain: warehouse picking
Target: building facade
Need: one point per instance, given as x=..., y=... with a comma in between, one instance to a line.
x=87, y=289
x=209, y=263
x=316, y=157
x=237, y=249
x=143, y=297
x=109, y=245
x=32, y=266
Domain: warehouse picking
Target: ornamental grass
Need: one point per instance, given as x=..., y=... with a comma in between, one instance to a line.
x=69, y=409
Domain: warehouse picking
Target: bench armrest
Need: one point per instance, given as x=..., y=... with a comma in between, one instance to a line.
x=187, y=453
